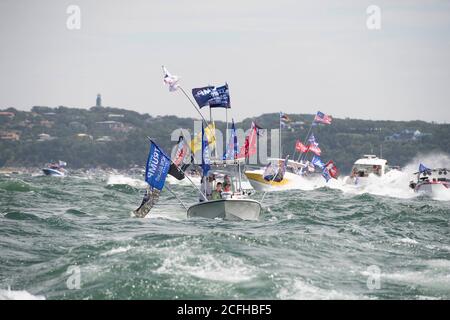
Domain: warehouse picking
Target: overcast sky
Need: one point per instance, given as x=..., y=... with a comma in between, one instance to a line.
x=294, y=56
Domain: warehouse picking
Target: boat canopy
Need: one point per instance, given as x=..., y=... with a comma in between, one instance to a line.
x=371, y=160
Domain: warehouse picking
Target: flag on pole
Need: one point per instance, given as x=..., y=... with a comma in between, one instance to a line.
x=315, y=149
x=250, y=145
x=205, y=154
x=326, y=174
x=312, y=140
x=300, y=147
x=181, y=152
x=423, y=168
x=317, y=162
x=231, y=151
x=220, y=97
x=322, y=118
x=170, y=80
x=284, y=119
x=157, y=167
x=214, y=97
x=196, y=143
x=332, y=169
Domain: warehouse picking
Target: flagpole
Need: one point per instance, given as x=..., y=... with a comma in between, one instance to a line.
x=176, y=196
x=279, y=137
x=190, y=100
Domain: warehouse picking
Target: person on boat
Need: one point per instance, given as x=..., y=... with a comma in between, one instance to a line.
x=227, y=180
x=227, y=193
x=217, y=193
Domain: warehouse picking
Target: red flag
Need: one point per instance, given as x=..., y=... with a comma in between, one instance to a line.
x=300, y=147
x=249, y=148
x=315, y=149
x=332, y=169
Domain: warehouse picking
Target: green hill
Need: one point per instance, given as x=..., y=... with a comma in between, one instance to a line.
x=112, y=137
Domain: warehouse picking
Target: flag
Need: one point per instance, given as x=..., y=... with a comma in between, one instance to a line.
x=220, y=97
x=214, y=97
x=300, y=147
x=250, y=145
x=422, y=168
x=284, y=119
x=157, y=167
x=170, y=80
x=205, y=154
x=231, y=151
x=332, y=169
x=202, y=95
x=326, y=174
x=322, y=118
x=196, y=143
x=315, y=149
x=312, y=140
x=181, y=152
x=62, y=163
x=317, y=162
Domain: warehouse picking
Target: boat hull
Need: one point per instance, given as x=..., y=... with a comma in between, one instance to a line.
x=52, y=172
x=434, y=189
x=228, y=209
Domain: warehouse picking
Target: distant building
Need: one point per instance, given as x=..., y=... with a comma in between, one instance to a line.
x=84, y=136
x=98, y=101
x=9, y=135
x=104, y=139
x=113, y=115
x=45, y=137
x=7, y=114
x=407, y=135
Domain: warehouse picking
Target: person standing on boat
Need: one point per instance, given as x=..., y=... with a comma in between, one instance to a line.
x=226, y=194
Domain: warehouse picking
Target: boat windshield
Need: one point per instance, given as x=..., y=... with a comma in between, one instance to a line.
x=363, y=170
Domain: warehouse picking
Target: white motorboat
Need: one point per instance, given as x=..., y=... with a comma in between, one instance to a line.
x=432, y=182
x=366, y=167
x=228, y=209
x=55, y=169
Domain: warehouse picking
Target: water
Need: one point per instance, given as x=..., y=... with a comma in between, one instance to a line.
x=327, y=242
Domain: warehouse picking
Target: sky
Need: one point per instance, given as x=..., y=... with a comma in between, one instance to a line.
x=288, y=55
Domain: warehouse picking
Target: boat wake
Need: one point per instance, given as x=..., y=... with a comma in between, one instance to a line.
x=124, y=180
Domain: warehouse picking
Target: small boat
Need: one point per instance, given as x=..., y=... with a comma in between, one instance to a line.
x=368, y=166
x=55, y=169
x=289, y=179
x=432, y=182
x=235, y=204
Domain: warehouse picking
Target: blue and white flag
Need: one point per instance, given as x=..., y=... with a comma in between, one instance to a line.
x=206, y=162
x=422, y=168
x=312, y=140
x=220, y=97
x=326, y=174
x=158, y=165
x=231, y=152
x=317, y=162
x=202, y=95
x=214, y=97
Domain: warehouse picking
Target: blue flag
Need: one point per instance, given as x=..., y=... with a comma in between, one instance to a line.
x=205, y=154
x=231, y=151
x=326, y=174
x=214, y=97
x=220, y=97
x=158, y=165
x=203, y=95
x=317, y=162
x=422, y=168
x=312, y=140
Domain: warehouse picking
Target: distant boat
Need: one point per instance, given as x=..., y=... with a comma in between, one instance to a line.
x=369, y=165
x=55, y=169
x=432, y=182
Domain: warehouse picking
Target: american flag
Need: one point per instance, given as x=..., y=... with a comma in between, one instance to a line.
x=322, y=118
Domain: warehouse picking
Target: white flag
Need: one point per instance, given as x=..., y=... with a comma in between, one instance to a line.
x=171, y=80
